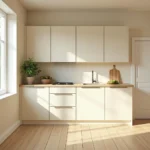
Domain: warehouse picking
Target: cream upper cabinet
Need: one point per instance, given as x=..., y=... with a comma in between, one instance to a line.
x=38, y=43
x=90, y=43
x=90, y=103
x=35, y=103
x=118, y=103
x=63, y=44
x=116, y=44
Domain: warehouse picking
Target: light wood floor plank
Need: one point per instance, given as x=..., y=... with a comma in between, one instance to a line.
x=87, y=138
x=79, y=137
x=10, y=140
x=63, y=138
x=117, y=140
x=97, y=139
x=128, y=134
x=44, y=136
x=54, y=139
x=27, y=138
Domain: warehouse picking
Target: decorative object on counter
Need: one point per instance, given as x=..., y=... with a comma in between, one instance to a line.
x=46, y=79
x=113, y=82
x=30, y=69
x=114, y=76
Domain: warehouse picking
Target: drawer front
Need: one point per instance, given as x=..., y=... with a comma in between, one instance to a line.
x=62, y=90
x=62, y=113
x=62, y=100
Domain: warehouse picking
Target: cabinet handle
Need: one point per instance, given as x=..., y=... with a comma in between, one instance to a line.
x=90, y=87
x=118, y=87
x=59, y=94
x=60, y=107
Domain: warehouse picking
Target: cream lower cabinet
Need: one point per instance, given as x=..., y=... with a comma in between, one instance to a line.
x=118, y=103
x=90, y=103
x=35, y=103
x=63, y=103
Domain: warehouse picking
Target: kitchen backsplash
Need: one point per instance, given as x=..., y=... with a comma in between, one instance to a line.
x=79, y=73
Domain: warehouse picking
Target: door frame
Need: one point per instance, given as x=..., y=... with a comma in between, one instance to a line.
x=133, y=68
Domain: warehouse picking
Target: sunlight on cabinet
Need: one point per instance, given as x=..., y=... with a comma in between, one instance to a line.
x=35, y=103
x=118, y=103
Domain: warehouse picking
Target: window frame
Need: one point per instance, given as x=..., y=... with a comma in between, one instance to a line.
x=3, y=80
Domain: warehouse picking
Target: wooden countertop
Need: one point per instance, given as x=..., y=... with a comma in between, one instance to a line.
x=81, y=85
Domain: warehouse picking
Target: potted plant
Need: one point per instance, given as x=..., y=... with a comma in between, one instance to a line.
x=46, y=79
x=30, y=69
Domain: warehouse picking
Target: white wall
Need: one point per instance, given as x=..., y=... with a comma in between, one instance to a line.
x=9, y=107
x=79, y=73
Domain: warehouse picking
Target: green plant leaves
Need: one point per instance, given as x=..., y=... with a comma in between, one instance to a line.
x=30, y=68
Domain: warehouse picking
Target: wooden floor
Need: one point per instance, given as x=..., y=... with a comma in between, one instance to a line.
x=80, y=137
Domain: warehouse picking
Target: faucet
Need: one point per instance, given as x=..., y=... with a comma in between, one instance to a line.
x=93, y=80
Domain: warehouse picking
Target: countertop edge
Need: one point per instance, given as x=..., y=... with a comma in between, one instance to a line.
x=81, y=85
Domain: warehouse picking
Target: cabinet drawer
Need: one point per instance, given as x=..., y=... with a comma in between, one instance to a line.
x=62, y=100
x=62, y=113
x=62, y=90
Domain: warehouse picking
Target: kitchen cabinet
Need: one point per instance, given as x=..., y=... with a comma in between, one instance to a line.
x=63, y=113
x=62, y=100
x=35, y=103
x=63, y=44
x=38, y=43
x=90, y=44
x=118, y=103
x=62, y=103
x=116, y=44
x=90, y=103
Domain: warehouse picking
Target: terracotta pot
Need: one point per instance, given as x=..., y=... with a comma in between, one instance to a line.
x=30, y=80
x=45, y=81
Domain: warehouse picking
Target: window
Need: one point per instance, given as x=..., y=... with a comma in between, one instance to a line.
x=2, y=53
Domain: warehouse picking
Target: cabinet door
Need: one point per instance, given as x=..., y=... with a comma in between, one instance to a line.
x=63, y=44
x=90, y=103
x=116, y=44
x=62, y=113
x=38, y=43
x=35, y=103
x=90, y=44
x=118, y=103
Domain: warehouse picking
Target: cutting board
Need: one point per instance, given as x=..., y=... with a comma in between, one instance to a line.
x=114, y=74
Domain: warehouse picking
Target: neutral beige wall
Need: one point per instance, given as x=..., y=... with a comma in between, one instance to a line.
x=138, y=22
x=9, y=107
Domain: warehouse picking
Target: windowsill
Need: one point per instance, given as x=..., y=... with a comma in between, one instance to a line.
x=6, y=95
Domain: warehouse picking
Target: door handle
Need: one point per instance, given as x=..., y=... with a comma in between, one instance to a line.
x=63, y=107
x=59, y=94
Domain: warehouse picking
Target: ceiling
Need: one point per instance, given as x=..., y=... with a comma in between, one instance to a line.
x=140, y=5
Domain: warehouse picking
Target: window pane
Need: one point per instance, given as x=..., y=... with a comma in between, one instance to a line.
x=0, y=65
x=2, y=28
x=2, y=54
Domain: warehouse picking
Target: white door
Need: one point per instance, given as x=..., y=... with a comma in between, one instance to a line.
x=90, y=103
x=35, y=103
x=118, y=103
x=38, y=43
x=63, y=44
x=142, y=80
x=116, y=44
x=90, y=43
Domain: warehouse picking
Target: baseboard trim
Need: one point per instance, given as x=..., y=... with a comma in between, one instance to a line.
x=9, y=131
x=72, y=122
